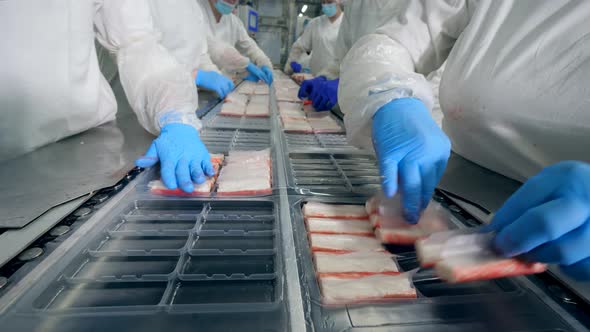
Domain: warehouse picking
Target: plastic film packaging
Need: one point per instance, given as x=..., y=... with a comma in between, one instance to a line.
x=392, y=227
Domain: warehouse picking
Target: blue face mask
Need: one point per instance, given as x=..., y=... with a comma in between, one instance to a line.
x=329, y=9
x=223, y=7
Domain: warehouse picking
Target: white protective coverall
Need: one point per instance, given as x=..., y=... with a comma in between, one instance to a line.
x=361, y=17
x=515, y=89
x=183, y=27
x=320, y=37
x=52, y=86
x=230, y=47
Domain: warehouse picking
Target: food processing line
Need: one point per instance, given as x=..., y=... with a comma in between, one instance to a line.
x=84, y=246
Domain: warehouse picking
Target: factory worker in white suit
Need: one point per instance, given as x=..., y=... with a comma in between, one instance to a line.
x=52, y=87
x=320, y=37
x=515, y=98
x=183, y=27
x=230, y=47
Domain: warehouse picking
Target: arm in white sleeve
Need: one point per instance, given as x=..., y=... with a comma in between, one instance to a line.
x=158, y=88
x=248, y=46
x=391, y=63
x=332, y=71
x=302, y=45
x=206, y=63
x=225, y=56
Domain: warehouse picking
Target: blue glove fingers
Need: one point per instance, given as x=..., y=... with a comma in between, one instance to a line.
x=207, y=167
x=567, y=250
x=150, y=158
x=429, y=181
x=183, y=176
x=251, y=78
x=579, y=271
x=526, y=197
x=168, y=173
x=305, y=89
x=389, y=172
x=542, y=224
x=268, y=75
x=411, y=189
x=196, y=170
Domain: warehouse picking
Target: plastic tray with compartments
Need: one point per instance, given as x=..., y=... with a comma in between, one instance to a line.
x=496, y=305
x=337, y=174
x=179, y=263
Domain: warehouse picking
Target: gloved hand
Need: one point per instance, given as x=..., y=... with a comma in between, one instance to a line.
x=268, y=74
x=412, y=151
x=256, y=74
x=326, y=96
x=309, y=86
x=184, y=159
x=214, y=81
x=548, y=219
x=296, y=67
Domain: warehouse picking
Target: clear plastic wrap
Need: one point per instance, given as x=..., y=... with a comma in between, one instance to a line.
x=391, y=226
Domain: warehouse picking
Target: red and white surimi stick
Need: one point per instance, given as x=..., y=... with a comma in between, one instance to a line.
x=339, y=226
x=467, y=255
x=157, y=187
x=400, y=236
x=336, y=211
x=376, y=288
x=478, y=267
x=354, y=265
x=343, y=243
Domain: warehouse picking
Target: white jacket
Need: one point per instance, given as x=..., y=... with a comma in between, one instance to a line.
x=515, y=89
x=230, y=47
x=361, y=17
x=320, y=37
x=184, y=31
x=51, y=82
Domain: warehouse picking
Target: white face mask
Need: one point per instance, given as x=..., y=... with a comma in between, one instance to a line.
x=224, y=8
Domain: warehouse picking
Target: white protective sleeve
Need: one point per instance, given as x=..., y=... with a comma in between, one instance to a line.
x=301, y=46
x=158, y=88
x=392, y=63
x=248, y=46
x=226, y=56
x=361, y=17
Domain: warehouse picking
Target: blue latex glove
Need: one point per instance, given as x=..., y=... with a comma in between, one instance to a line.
x=326, y=96
x=268, y=74
x=309, y=86
x=256, y=74
x=412, y=151
x=296, y=67
x=214, y=81
x=183, y=158
x=548, y=219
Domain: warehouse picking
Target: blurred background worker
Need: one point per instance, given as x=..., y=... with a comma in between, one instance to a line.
x=359, y=19
x=61, y=92
x=226, y=31
x=183, y=29
x=320, y=37
x=514, y=97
